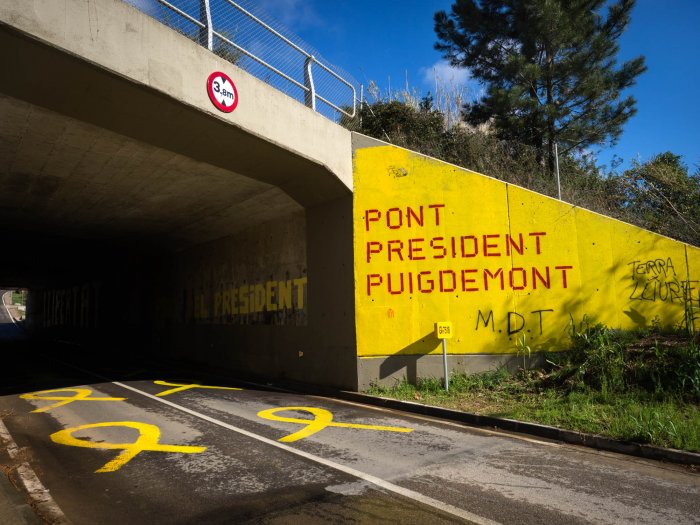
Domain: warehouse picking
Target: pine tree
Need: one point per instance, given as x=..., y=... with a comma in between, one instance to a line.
x=549, y=68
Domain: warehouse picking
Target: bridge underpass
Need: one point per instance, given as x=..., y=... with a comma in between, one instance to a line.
x=135, y=211
x=149, y=225
x=240, y=238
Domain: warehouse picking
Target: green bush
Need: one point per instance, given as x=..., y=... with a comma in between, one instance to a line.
x=612, y=362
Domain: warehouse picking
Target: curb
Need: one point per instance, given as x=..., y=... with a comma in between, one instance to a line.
x=14, y=510
x=543, y=431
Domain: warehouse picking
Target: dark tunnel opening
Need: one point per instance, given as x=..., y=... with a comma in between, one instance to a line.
x=87, y=308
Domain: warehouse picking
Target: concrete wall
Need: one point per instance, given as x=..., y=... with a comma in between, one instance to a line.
x=508, y=267
x=274, y=301
x=100, y=300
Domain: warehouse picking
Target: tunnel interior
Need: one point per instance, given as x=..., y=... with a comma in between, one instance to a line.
x=92, y=216
x=134, y=250
x=129, y=249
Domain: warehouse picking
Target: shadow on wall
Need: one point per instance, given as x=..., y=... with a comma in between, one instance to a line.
x=636, y=317
x=407, y=358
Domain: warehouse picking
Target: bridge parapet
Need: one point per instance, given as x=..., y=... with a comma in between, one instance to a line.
x=244, y=34
x=268, y=137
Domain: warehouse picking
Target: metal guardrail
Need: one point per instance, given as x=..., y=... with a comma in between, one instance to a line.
x=235, y=30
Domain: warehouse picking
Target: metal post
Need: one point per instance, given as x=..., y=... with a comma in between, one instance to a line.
x=556, y=161
x=444, y=364
x=206, y=34
x=362, y=99
x=310, y=94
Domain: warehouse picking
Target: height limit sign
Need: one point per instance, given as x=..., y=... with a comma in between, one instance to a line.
x=222, y=92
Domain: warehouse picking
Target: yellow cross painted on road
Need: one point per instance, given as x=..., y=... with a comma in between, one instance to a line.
x=181, y=387
x=147, y=441
x=322, y=419
x=79, y=394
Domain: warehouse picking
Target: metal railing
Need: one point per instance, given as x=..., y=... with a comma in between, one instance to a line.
x=235, y=31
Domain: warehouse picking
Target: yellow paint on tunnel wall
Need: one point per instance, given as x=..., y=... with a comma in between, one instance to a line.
x=509, y=267
x=651, y=278
x=693, y=311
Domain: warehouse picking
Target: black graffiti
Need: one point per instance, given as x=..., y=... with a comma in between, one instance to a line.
x=659, y=291
x=485, y=320
x=653, y=269
x=656, y=280
x=514, y=322
x=70, y=307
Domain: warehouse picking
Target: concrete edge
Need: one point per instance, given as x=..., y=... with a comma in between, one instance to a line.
x=31, y=502
x=14, y=509
x=534, y=429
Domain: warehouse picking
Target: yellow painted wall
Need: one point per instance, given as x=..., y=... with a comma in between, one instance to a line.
x=505, y=265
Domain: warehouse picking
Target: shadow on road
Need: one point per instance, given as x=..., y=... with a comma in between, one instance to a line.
x=30, y=365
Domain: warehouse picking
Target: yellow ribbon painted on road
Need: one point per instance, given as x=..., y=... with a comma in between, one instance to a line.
x=80, y=394
x=147, y=441
x=322, y=419
x=181, y=387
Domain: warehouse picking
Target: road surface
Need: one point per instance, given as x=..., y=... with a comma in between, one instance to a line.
x=157, y=449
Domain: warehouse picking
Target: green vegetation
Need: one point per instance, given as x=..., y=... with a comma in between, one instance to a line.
x=659, y=194
x=662, y=196
x=641, y=386
x=549, y=68
x=19, y=297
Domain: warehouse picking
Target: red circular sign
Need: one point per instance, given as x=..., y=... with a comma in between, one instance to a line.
x=222, y=91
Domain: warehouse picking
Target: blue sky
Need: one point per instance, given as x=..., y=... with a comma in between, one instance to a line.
x=385, y=41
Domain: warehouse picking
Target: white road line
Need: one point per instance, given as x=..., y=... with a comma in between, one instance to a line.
x=430, y=419
x=41, y=498
x=407, y=493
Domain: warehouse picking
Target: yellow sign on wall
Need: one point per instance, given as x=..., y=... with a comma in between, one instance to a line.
x=443, y=330
x=435, y=241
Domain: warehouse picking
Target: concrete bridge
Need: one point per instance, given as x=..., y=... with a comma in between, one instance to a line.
x=136, y=211
x=122, y=188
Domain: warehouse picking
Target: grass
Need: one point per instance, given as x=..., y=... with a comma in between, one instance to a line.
x=635, y=386
x=19, y=297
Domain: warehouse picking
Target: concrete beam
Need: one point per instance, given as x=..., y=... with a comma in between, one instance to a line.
x=106, y=63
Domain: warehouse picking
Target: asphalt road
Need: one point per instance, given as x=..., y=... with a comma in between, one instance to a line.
x=140, y=451
x=8, y=331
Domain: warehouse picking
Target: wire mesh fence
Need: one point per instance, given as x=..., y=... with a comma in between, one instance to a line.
x=243, y=33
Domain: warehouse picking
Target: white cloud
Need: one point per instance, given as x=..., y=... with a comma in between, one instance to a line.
x=443, y=74
x=294, y=14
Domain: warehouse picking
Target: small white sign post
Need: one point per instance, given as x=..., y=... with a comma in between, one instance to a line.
x=443, y=331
